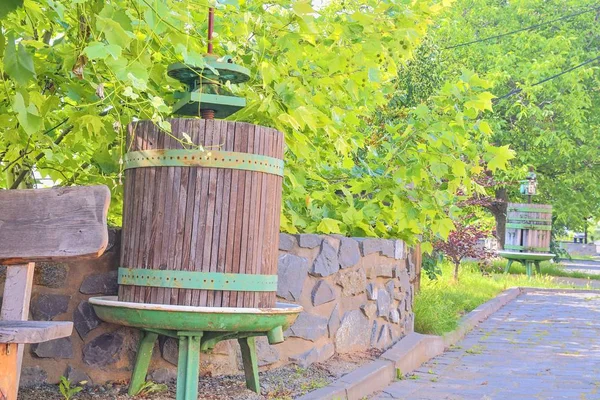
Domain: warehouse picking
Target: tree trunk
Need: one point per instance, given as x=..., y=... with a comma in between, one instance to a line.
x=498, y=210
x=456, y=265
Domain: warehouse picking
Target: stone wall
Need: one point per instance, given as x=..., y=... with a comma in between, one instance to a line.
x=356, y=293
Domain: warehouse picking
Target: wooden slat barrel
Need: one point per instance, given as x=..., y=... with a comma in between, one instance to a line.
x=201, y=218
x=528, y=228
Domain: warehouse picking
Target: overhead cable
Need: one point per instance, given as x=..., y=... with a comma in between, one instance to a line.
x=596, y=8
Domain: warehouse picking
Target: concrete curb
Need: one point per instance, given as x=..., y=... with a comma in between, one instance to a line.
x=406, y=355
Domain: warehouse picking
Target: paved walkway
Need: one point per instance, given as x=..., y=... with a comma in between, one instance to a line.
x=591, y=267
x=540, y=346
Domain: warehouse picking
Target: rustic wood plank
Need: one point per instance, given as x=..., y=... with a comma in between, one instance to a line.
x=263, y=249
x=156, y=233
x=128, y=192
x=221, y=128
x=199, y=296
x=53, y=224
x=239, y=254
x=138, y=200
x=9, y=373
x=280, y=148
x=185, y=295
x=237, y=205
x=246, y=252
x=15, y=306
x=228, y=135
x=33, y=331
x=210, y=181
x=147, y=210
x=162, y=297
x=180, y=194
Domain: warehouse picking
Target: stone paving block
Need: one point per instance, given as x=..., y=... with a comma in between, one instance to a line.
x=529, y=346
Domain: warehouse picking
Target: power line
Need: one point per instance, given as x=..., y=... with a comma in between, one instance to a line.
x=523, y=29
x=519, y=90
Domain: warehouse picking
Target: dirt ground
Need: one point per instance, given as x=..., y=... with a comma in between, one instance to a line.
x=283, y=383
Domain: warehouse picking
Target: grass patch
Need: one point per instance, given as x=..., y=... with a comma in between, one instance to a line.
x=441, y=302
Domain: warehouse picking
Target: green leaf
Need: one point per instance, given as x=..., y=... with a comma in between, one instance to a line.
x=484, y=127
x=329, y=225
x=18, y=63
x=499, y=157
x=91, y=123
x=303, y=7
x=8, y=6
x=96, y=51
x=114, y=32
x=27, y=115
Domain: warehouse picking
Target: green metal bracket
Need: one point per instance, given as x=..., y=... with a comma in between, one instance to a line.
x=209, y=159
x=191, y=343
x=197, y=280
x=527, y=219
x=250, y=360
x=526, y=248
x=207, y=93
x=142, y=362
x=527, y=208
x=188, y=365
x=529, y=226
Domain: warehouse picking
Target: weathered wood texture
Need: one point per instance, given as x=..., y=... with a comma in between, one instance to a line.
x=536, y=239
x=9, y=373
x=53, y=224
x=15, y=307
x=202, y=219
x=33, y=331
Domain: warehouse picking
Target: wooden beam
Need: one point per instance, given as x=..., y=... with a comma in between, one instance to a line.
x=53, y=224
x=33, y=331
x=9, y=375
x=15, y=307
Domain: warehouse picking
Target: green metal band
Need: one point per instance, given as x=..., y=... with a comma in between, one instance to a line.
x=529, y=226
x=526, y=208
x=209, y=159
x=516, y=247
x=527, y=219
x=197, y=280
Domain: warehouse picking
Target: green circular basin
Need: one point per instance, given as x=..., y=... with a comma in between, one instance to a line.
x=515, y=255
x=188, y=318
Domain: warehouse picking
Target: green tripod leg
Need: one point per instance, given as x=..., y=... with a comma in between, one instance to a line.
x=142, y=362
x=508, y=264
x=529, y=267
x=248, y=347
x=188, y=365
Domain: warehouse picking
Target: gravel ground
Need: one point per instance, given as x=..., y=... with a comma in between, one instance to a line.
x=283, y=383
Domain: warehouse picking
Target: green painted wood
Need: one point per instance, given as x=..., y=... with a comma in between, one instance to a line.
x=189, y=320
x=528, y=208
x=197, y=280
x=526, y=256
x=188, y=365
x=529, y=226
x=547, y=220
x=206, y=158
x=250, y=360
x=508, y=264
x=275, y=335
x=532, y=249
x=142, y=362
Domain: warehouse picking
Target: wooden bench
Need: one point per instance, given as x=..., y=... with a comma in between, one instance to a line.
x=63, y=224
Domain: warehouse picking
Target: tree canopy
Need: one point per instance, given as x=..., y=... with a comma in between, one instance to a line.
x=547, y=102
x=75, y=73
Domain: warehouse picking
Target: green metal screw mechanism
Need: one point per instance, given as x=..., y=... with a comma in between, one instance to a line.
x=206, y=94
